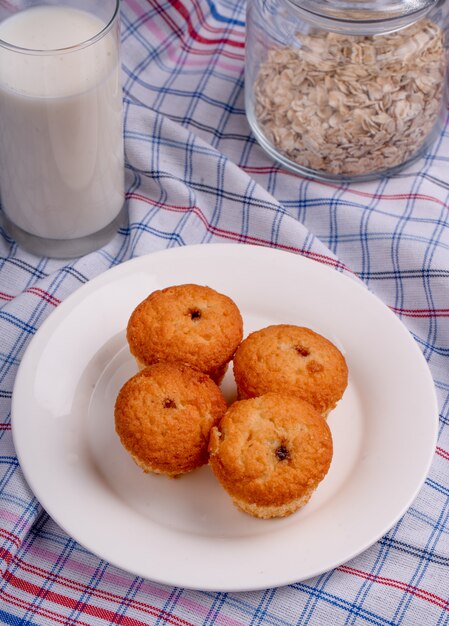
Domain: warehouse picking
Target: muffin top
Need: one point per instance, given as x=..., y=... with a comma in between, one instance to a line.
x=164, y=414
x=270, y=450
x=293, y=359
x=192, y=324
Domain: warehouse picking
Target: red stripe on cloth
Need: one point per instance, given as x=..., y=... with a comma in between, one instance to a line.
x=5, y=555
x=389, y=196
x=186, y=46
x=234, y=236
x=35, y=291
x=39, y=610
x=9, y=536
x=268, y=170
x=86, y=608
x=207, y=53
x=31, y=568
x=398, y=584
x=443, y=453
x=6, y=296
x=44, y=295
x=421, y=312
x=357, y=192
x=184, y=12
x=5, y=426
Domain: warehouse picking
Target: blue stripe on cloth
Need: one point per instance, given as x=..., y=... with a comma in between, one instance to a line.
x=223, y=18
x=365, y=615
x=421, y=567
x=438, y=487
x=14, y=620
x=367, y=584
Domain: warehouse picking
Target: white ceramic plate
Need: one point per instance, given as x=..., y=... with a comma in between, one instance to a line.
x=186, y=532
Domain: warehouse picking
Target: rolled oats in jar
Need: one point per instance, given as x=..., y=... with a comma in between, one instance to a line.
x=342, y=89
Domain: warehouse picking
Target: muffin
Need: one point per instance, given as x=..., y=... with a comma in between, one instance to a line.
x=270, y=453
x=293, y=359
x=191, y=324
x=164, y=414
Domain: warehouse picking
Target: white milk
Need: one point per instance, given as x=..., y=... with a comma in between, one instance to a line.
x=61, y=141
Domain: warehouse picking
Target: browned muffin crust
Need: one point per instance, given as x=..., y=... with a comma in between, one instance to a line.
x=270, y=453
x=164, y=414
x=291, y=359
x=189, y=323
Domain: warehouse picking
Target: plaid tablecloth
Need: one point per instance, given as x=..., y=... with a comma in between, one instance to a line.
x=196, y=175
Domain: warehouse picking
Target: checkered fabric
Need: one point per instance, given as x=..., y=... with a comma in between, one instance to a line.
x=196, y=175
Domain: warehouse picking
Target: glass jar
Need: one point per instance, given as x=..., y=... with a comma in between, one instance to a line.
x=345, y=89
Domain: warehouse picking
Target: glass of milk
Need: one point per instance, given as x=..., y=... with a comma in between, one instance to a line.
x=61, y=124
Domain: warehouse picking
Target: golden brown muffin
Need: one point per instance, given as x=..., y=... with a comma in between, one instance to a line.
x=164, y=414
x=191, y=324
x=270, y=453
x=291, y=359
